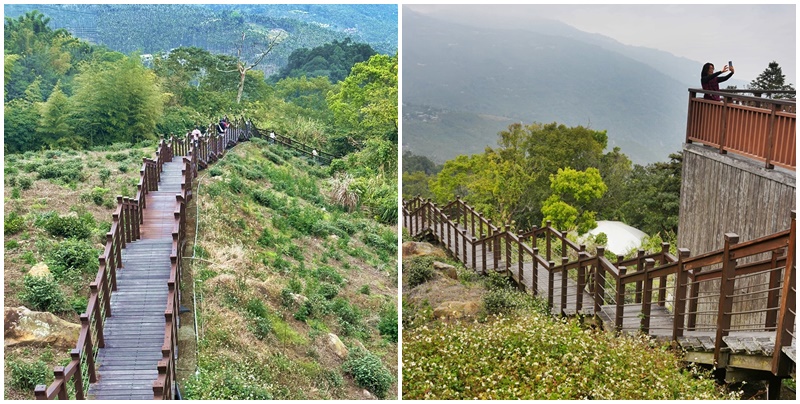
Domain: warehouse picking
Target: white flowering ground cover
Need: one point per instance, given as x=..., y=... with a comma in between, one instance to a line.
x=533, y=356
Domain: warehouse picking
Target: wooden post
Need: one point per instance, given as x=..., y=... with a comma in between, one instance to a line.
x=726, y=288
x=679, y=307
x=88, y=349
x=581, y=282
x=507, y=240
x=75, y=356
x=564, y=273
x=769, y=146
x=474, y=240
x=647, y=299
x=535, y=271
x=520, y=262
x=550, y=284
x=723, y=126
x=620, y=298
x=547, y=241
x=786, y=316
x=639, y=268
x=773, y=301
x=464, y=246
x=599, y=281
x=60, y=376
x=662, y=282
x=483, y=244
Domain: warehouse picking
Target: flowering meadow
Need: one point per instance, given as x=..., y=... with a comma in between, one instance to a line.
x=531, y=355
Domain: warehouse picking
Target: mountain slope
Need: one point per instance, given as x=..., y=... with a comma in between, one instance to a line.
x=529, y=76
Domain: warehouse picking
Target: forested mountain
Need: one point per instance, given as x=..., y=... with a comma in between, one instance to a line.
x=463, y=84
x=154, y=28
x=332, y=60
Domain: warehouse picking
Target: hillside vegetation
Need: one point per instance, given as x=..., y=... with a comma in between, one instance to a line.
x=279, y=266
x=58, y=207
x=513, y=349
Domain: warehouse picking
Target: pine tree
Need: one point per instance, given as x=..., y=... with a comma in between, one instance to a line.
x=772, y=78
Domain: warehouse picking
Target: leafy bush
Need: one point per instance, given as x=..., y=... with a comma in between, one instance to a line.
x=68, y=226
x=25, y=182
x=419, y=270
x=98, y=195
x=79, y=304
x=268, y=198
x=67, y=171
x=104, y=175
x=13, y=223
x=12, y=244
x=70, y=256
x=387, y=326
x=328, y=291
x=368, y=371
x=260, y=323
x=349, y=316
x=42, y=293
x=26, y=375
x=328, y=274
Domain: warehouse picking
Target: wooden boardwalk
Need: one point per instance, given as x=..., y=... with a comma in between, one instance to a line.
x=134, y=333
x=581, y=291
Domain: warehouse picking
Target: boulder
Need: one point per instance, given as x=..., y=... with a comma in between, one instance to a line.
x=416, y=249
x=368, y=395
x=336, y=345
x=39, y=270
x=298, y=299
x=447, y=269
x=25, y=327
x=455, y=309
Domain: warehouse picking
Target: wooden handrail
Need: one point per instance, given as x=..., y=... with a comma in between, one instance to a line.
x=511, y=251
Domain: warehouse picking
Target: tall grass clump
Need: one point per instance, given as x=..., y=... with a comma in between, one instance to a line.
x=342, y=192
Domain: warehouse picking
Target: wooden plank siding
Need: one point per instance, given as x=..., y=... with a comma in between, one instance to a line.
x=728, y=193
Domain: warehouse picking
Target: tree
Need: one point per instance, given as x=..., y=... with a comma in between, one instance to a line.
x=118, y=101
x=262, y=50
x=772, y=78
x=573, y=191
x=652, y=197
x=366, y=103
x=54, y=129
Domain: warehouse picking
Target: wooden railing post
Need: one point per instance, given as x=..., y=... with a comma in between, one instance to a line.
x=599, y=281
x=75, y=356
x=662, y=281
x=564, y=273
x=535, y=271
x=550, y=284
x=520, y=262
x=769, y=146
x=474, y=240
x=786, y=316
x=548, y=251
x=581, y=282
x=61, y=378
x=726, y=288
x=639, y=268
x=507, y=240
x=88, y=350
x=620, y=299
x=679, y=307
x=723, y=126
x=647, y=298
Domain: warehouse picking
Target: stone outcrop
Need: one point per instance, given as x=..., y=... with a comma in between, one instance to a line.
x=336, y=345
x=26, y=327
x=415, y=249
x=446, y=269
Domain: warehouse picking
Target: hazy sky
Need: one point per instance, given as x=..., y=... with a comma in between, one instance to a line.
x=750, y=35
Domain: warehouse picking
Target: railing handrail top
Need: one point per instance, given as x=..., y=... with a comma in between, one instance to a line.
x=734, y=93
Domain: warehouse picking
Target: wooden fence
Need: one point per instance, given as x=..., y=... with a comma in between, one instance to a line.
x=760, y=128
x=655, y=293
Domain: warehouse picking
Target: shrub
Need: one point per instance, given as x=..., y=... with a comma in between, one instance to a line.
x=12, y=244
x=364, y=290
x=69, y=226
x=79, y=304
x=104, y=174
x=260, y=323
x=13, y=223
x=349, y=316
x=266, y=197
x=72, y=255
x=67, y=171
x=343, y=192
x=26, y=375
x=387, y=326
x=25, y=182
x=368, y=371
x=98, y=195
x=215, y=171
x=42, y=293
x=328, y=291
x=328, y=274
x=16, y=193
x=419, y=270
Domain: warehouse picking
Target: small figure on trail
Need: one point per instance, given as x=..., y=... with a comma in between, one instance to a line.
x=271, y=137
x=227, y=123
x=221, y=126
x=196, y=132
x=314, y=153
x=710, y=80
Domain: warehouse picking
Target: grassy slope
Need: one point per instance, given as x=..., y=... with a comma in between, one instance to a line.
x=266, y=230
x=64, y=195
x=526, y=354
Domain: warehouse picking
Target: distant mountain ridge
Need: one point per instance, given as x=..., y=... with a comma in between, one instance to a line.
x=153, y=28
x=547, y=72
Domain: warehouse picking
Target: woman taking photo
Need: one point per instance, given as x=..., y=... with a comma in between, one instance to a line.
x=710, y=80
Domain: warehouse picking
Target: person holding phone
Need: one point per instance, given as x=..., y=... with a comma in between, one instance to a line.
x=710, y=80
